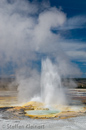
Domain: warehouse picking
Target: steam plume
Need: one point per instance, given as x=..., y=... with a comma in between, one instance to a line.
x=26, y=37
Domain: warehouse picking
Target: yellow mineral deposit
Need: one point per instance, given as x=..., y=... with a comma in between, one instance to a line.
x=35, y=105
x=42, y=111
x=65, y=111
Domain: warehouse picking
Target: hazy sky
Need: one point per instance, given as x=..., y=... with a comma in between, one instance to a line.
x=31, y=30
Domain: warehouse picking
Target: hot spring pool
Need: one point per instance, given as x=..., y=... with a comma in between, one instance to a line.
x=42, y=112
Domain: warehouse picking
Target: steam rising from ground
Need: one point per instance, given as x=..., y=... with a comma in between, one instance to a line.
x=26, y=37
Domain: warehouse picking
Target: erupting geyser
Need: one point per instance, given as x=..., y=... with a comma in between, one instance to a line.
x=51, y=88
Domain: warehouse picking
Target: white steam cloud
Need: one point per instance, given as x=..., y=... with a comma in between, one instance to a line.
x=26, y=37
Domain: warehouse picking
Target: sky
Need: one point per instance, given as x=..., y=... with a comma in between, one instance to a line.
x=32, y=30
x=77, y=33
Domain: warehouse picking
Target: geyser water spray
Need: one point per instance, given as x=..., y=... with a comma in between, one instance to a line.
x=52, y=91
